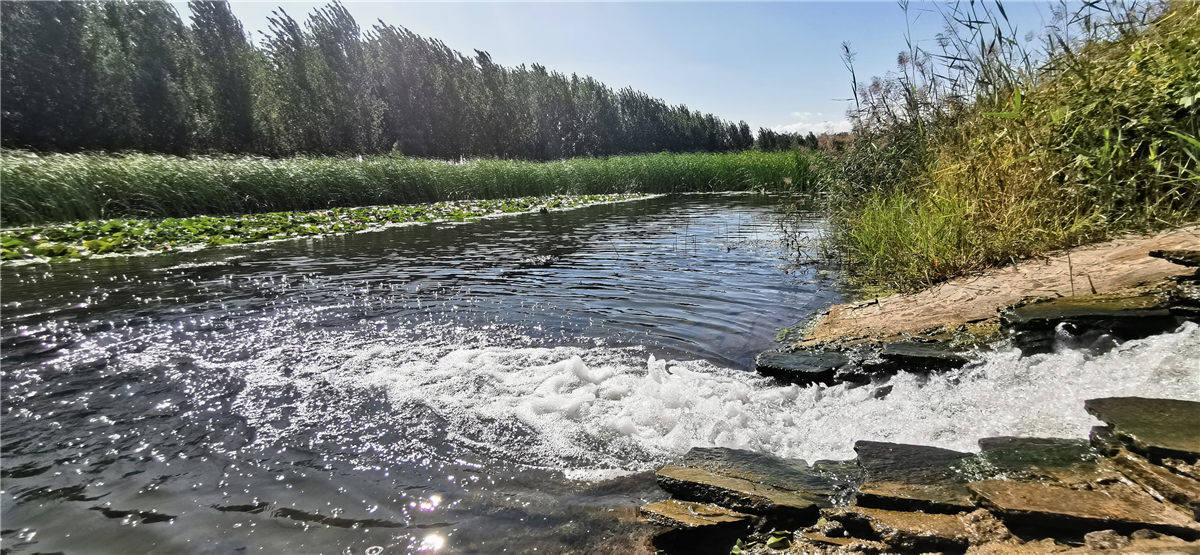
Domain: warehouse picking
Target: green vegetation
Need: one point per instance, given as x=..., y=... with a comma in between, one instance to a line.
x=133, y=76
x=68, y=187
x=978, y=155
x=83, y=239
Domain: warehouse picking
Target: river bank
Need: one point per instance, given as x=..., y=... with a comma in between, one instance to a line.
x=974, y=301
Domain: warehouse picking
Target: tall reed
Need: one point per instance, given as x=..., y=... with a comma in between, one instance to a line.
x=66, y=187
x=981, y=153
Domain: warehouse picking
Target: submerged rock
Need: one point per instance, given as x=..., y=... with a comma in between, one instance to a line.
x=1054, y=509
x=801, y=367
x=912, y=477
x=1068, y=462
x=686, y=514
x=694, y=484
x=1159, y=428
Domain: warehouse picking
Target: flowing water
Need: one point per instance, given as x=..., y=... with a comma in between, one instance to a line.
x=503, y=385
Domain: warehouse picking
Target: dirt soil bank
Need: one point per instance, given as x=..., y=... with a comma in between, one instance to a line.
x=1106, y=267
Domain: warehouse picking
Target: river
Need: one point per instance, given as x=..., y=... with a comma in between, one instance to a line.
x=502, y=385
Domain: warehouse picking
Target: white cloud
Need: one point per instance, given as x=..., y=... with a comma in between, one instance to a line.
x=807, y=115
x=816, y=127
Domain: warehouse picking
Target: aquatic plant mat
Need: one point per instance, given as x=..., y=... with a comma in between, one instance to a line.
x=129, y=236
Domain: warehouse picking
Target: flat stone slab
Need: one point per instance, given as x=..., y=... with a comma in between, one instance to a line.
x=694, y=484
x=1117, y=507
x=801, y=367
x=792, y=475
x=1160, y=428
x=690, y=515
x=911, y=356
x=912, y=477
x=1183, y=257
x=913, y=532
x=1070, y=462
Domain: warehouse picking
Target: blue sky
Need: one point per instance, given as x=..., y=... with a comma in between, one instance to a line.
x=773, y=64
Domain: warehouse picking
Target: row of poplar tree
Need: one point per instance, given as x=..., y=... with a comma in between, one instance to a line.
x=133, y=76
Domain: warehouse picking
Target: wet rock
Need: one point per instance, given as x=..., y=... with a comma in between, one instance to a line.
x=1160, y=428
x=1160, y=482
x=1104, y=540
x=1054, y=509
x=1182, y=257
x=1070, y=462
x=792, y=475
x=694, y=484
x=1034, y=327
x=912, y=477
x=911, y=356
x=686, y=514
x=903, y=531
x=801, y=367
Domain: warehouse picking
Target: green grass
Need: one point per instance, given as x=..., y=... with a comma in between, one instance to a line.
x=128, y=236
x=72, y=187
x=1099, y=141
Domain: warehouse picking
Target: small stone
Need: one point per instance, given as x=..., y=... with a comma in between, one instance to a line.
x=1144, y=534
x=982, y=526
x=1159, y=428
x=1105, y=540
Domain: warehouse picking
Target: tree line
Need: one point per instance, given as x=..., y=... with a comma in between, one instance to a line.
x=133, y=76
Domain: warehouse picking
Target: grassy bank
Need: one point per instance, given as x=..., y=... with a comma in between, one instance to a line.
x=1011, y=159
x=129, y=236
x=71, y=187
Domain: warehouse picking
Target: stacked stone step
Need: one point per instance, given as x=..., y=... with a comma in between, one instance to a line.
x=1135, y=483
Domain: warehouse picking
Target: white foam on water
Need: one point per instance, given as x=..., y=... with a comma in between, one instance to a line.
x=598, y=412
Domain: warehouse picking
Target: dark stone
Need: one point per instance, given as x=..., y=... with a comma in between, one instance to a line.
x=1159, y=428
x=912, y=477
x=1181, y=256
x=1033, y=327
x=912, y=357
x=801, y=367
x=792, y=475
